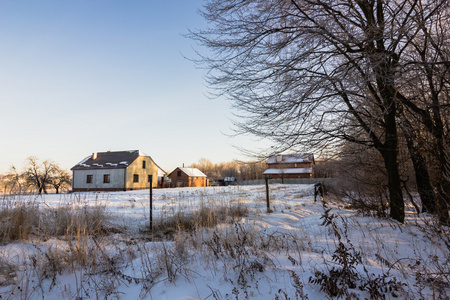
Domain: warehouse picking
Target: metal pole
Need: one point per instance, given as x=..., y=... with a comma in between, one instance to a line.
x=151, y=202
x=267, y=194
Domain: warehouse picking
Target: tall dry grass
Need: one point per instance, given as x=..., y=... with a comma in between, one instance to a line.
x=166, y=226
x=21, y=221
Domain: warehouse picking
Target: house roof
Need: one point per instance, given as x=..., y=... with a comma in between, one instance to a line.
x=108, y=160
x=288, y=171
x=191, y=172
x=291, y=158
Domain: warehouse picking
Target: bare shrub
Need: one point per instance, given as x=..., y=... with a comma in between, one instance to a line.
x=7, y=272
x=361, y=180
x=343, y=276
x=433, y=271
x=238, y=250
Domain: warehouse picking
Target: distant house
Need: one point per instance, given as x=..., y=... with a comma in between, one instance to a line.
x=287, y=166
x=188, y=177
x=116, y=171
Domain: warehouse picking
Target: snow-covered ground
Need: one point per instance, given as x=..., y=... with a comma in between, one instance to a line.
x=284, y=254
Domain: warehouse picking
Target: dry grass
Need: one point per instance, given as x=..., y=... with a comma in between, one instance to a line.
x=17, y=223
x=21, y=222
x=73, y=221
x=167, y=227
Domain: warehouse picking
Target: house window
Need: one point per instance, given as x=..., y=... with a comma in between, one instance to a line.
x=106, y=178
x=89, y=178
x=135, y=178
x=178, y=173
x=143, y=164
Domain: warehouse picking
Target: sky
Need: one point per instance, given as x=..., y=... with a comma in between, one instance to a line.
x=78, y=77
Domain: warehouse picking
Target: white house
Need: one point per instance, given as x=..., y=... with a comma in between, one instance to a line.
x=116, y=170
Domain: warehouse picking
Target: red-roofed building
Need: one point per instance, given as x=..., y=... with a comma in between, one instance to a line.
x=188, y=177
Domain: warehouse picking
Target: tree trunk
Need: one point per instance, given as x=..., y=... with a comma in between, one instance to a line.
x=396, y=202
x=443, y=186
x=423, y=181
x=389, y=153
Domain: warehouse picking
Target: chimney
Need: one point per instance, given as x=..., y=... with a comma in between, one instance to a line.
x=183, y=165
x=94, y=155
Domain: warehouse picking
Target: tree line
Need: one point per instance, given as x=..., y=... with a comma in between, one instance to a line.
x=36, y=176
x=240, y=170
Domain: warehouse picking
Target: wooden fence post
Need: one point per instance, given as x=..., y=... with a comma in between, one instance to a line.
x=151, y=202
x=267, y=194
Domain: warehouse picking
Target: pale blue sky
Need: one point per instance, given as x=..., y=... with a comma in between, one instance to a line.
x=82, y=76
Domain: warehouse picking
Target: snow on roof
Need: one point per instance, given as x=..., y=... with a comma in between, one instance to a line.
x=142, y=153
x=291, y=158
x=81, y=163
x=193, y=172
x=288, y=171
x=109, y=159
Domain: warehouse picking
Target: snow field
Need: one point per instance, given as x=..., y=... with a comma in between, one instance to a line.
x=261, y=256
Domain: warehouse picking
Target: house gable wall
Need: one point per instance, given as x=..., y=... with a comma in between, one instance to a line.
x=135, y=168
x=179, y=181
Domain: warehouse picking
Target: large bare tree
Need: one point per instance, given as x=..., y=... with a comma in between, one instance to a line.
x=320, y=72
x=424, y=96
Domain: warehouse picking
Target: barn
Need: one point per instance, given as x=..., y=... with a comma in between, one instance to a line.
x=116, y=171
x=299, y=165
x=188, y=177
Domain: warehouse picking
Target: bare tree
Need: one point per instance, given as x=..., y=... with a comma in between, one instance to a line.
x=15, y=179
x=207, y=167
x=59, y=178
x=425, y=101
x=38, y=174
x=316, y=72
x=252, y=170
